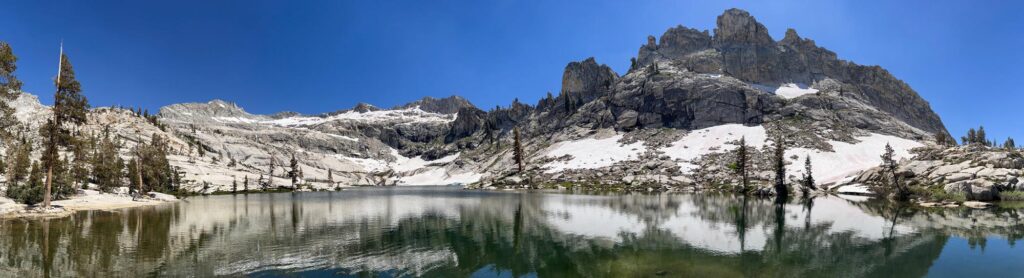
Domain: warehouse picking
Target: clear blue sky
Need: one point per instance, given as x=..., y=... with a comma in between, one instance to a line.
x=318, y=56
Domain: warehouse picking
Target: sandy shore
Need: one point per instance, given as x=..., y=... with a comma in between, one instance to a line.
x=85, y=200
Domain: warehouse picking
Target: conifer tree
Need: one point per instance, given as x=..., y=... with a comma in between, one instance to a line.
x=107, y=165
x=31, y=192
x=234, y=185
x=1009, y=144
x=263, y=186
x=245, y=184
x=18, y=167
x=10, y=88
x=330, y=177
x=779, y=162
x=69, y=111
x=517, y=150
x=294, y=172
x=742, y=164
x=981, y=137
x=889, y=166
x=808, y=175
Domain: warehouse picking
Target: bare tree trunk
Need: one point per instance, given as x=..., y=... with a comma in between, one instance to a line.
x=138, y=175
x=49, y=182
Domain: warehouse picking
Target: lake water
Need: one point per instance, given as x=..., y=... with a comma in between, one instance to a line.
x=447, y=232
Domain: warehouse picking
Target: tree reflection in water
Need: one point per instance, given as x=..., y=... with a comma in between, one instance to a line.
x=446, y=232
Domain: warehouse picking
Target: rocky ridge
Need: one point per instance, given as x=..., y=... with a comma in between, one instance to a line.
x=668, y=122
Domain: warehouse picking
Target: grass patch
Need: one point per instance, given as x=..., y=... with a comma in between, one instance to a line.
x=1011, y=196
x=937, y=193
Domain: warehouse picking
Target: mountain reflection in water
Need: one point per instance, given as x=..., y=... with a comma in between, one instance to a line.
x=446, y=232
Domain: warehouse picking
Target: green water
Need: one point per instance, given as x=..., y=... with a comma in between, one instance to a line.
x=446, y=232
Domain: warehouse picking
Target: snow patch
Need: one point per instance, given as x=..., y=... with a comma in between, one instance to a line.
x=787, y=90
x=700, y=142
x=848, y=159
x=591, y=153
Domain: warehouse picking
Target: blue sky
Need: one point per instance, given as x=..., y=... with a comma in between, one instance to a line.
x=319, y=56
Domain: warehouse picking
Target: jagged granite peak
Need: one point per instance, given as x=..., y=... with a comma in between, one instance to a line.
x=675, y=42
x=742, y=48
x=738, y=27
x=447, y=105
x=587, y=79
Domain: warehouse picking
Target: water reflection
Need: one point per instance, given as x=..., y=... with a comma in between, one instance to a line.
x=454, y=233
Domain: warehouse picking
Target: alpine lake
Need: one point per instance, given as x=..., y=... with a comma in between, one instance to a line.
x=450, y=232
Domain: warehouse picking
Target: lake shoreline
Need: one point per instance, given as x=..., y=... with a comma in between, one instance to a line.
x=86, y=200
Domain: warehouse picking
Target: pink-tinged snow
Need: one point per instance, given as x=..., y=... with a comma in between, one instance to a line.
x=700, y=142
x=591, y=153
x=848, y=159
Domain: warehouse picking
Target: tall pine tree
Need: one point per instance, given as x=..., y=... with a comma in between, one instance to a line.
x=742, y=165
x=69, y=111
x=517, y=150
x=779, y=162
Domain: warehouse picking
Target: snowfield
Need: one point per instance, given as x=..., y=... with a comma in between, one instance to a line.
x=700, y=142
x=848, y=159
x=591, y=153
x=828, y=167
x=400, y=116
x=410, y=115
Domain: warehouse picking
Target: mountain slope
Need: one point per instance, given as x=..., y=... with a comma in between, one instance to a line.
x=671, y=120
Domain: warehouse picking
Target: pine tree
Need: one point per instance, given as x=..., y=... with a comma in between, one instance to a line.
x=31, y=192
x=330, y=177
x=10, y=88
x=263, y=185
x=69, y=110
x=890, y=166
x=1009, y=144
x=107, y=165
x=808, y=175
x=981, y=137
x=742, y=164
x=517, y=150
x=18, y=159
x=234, y=185
x=294, y=172
x=971, y=137
x=245, y=184
x=779, y=161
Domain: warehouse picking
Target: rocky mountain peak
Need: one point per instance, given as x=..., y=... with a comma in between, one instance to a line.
x=447, y=105
x=210, y=109
x=363, y=107
x=737, y=26
x=587, y=79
